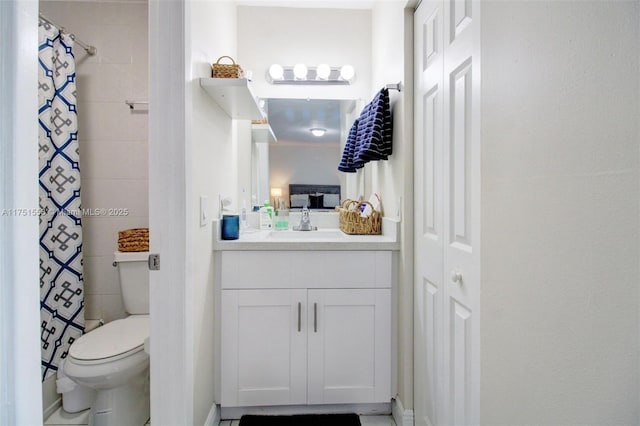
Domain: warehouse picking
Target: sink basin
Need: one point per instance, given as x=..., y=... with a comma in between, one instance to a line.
x=320, y=234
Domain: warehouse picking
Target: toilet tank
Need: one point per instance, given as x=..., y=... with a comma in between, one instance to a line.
x=133, y=274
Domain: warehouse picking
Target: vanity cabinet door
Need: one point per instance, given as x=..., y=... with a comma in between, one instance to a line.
x=264, y=341
x=349, y=346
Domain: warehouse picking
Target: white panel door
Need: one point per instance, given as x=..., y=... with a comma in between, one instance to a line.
x=349, y=346
x=447, y=212
x=429, y=234
x=462, y=211
x=264, y=361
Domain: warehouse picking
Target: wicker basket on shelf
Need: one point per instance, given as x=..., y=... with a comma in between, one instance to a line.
x=352, y=222
x=232, y=70
x=136, y=239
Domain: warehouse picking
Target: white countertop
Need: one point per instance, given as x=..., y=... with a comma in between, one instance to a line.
x=327, y=237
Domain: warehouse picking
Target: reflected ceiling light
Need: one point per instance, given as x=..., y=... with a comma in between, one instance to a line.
x=317, y=131
x=347, y=72
x=276, y=72
x=300, y=71
x=323, y=71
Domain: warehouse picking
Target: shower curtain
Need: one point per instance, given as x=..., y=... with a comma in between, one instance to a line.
x=61, y=282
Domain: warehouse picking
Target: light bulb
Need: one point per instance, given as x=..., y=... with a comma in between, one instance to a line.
x=276, y=72
x=276, y=192
x=317, y=132
x=347, y=72
x=300, y=71
x=323, y=71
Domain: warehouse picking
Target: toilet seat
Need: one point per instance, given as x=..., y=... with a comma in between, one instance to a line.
x=115, y=340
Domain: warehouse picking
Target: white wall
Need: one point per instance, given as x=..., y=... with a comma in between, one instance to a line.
x=388, y=66
x=560, y=211
x=288, y=36
x=211, y=150
x=112, y=138
x=392, y=53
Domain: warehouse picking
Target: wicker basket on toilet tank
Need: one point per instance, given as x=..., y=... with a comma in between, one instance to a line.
x=136, y=239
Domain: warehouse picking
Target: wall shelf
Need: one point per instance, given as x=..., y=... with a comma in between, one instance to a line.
x=262, y=133
x=234, y=96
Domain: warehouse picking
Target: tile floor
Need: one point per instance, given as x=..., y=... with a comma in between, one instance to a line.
x=60, y=418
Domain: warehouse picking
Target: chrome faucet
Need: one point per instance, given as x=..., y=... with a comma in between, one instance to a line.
x=305, y=221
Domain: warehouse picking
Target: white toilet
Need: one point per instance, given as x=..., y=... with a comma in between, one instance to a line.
x=111, y=359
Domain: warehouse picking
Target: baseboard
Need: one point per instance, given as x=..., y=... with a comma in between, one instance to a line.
x=51, y=399
x=213, y=419
x=401, y=416
x=51, y=409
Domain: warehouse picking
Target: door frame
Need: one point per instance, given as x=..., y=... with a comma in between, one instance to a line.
x=171, y=338
x=20, y=382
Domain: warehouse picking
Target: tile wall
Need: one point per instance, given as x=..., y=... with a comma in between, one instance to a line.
x=113, y=138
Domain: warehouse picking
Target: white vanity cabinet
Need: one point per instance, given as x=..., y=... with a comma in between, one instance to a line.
x=305, y=327
x=264, y=351
x=349, y=346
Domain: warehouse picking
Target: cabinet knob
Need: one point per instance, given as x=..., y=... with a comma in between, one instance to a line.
x=456, y=277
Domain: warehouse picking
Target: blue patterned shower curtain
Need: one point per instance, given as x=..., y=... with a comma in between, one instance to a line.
x=61, y=282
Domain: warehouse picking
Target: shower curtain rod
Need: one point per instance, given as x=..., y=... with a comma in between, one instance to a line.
x=91, y=50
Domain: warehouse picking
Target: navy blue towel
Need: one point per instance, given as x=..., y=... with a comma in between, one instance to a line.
x=370, y=137
x=346, y=164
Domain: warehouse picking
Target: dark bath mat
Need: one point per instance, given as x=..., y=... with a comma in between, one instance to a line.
x=302, y=420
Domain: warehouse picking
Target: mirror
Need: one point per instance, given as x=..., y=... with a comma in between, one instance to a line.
x=299, y=156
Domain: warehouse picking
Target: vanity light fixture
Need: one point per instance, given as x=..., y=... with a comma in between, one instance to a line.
x=347, y=72
x=323, y=71
x=303, y=74
x=276, y=72
x=318, y=131
x=300, y=71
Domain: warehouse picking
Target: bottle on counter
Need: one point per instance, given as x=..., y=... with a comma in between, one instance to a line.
x=266, y=216
x=282, y=217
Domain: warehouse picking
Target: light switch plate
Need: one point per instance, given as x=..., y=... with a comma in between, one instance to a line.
x=204, y=210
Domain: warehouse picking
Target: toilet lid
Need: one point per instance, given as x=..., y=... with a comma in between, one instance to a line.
x=112, y=339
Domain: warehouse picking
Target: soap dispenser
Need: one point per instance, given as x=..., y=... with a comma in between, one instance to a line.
x=266, y=216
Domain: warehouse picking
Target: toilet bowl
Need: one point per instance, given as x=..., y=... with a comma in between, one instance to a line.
x=112, y=359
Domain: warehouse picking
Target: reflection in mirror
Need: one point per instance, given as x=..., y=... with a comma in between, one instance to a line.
x=310, y=135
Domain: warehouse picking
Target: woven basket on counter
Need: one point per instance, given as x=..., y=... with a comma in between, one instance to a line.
x=136, y=239
x=232, y=70
x=353, y=223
